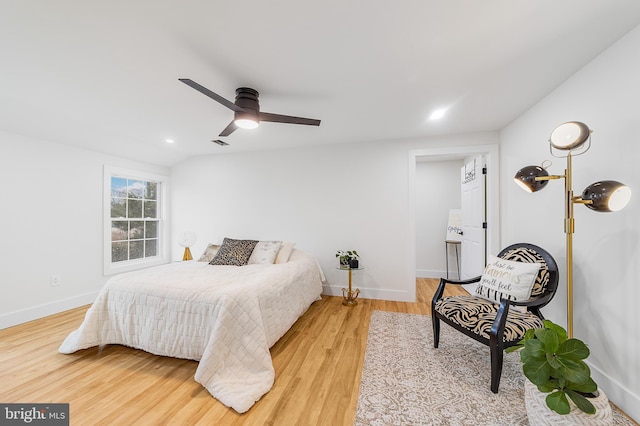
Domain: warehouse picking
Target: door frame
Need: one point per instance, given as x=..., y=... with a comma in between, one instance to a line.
x=491, y=153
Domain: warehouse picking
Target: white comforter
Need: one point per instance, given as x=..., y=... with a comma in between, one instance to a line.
x=227, y=317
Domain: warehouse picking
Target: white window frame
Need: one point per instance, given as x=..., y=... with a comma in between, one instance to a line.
x=162, y=256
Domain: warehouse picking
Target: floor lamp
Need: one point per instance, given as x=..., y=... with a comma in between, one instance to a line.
x=568, y=140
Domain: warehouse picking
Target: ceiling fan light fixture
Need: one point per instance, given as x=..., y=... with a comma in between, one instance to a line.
x=246, y=123
x=245, y=120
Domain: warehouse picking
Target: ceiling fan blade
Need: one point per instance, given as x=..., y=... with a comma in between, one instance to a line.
x=229, y=129
x=220, y=142
x=279, y=118
x=211, y=94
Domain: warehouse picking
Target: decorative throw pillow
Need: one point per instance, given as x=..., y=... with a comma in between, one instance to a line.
x=209, y=252
x=285, y=252
x=506, y=279
x=265, y=252
x=234, y=252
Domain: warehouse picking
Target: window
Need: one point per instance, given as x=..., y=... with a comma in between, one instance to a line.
x=133, y=220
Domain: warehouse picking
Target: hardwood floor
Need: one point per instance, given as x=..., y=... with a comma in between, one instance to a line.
x=318, y=365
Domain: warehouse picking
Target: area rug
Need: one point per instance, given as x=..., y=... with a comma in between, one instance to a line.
x=406, y=381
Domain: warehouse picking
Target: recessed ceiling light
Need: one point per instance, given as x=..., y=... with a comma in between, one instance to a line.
x=169, y=140
x=437, y=114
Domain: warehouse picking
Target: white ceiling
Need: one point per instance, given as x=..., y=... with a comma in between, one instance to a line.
x=104, y=74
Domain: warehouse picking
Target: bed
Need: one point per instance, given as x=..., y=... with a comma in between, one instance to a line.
x=226, y=317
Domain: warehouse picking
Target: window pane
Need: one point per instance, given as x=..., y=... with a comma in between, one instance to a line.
x=150, y=248
x=135, y=208
x=118, y=187
x=119, y=251
x=151, y=192
x=118, y=207
x=136, y=230
x=119, y=230
x=136, y=250
x=150, y=209
x=151, y=229
x=136, y=188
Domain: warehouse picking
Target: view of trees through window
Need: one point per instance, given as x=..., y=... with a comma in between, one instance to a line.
x=134, y=219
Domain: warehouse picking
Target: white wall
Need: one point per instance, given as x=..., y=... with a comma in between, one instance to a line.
x=50, y=223
x=605, y=95
x=324, y=198
x=437, y=191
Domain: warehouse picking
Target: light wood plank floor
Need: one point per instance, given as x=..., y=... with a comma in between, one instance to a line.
x=318, y=366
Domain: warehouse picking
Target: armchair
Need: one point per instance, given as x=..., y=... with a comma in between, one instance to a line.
x=497, y=325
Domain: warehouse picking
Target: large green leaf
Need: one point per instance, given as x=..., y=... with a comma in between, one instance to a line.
x=558, y=402
x=574, y=371
x=533, y=350
x=573, y=349
x=581, y=402
x=550, y=386
x=549, y=339
x=562, y=333
x=588, y=387
x=537, y=371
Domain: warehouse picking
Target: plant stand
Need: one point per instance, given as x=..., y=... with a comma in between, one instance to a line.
x=350, y=295
x=539, y=414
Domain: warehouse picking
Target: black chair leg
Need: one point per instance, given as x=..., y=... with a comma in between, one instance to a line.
x=436, y=330
x=496, y=367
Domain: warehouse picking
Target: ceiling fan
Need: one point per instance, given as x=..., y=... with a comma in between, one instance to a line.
x=246, y=109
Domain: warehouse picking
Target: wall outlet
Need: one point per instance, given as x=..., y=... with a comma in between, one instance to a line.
x=55, y=280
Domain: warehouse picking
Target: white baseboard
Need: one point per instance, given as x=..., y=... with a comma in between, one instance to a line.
x=40, y=311
x=430, y=273
x=369, y=293
x=624, y=398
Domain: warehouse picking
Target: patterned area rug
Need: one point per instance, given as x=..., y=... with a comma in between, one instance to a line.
x=405, y=381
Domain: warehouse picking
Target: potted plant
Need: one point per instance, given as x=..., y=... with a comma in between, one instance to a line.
x=348, y=259
x=555, y=365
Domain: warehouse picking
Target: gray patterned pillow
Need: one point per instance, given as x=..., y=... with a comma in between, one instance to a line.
x=234, y=252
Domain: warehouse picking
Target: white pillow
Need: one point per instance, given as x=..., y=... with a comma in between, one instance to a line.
x=285, y=252
x=506, y=279
x=265, y=252
x=209, y=253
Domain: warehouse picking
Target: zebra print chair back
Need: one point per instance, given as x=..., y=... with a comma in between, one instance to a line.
x=547, y=279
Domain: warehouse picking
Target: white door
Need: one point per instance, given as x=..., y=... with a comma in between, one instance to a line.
x=473, y=219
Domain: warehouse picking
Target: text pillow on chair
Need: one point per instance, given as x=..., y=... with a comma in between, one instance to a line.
x=507, y=279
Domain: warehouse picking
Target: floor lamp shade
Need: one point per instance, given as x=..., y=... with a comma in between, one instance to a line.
x=569, y=135
x=606, y=196
x=526, y=178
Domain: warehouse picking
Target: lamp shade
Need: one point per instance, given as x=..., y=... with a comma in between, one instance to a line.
x=607, y=196
x=526, y=178
x=569, y=135
x=188, y=239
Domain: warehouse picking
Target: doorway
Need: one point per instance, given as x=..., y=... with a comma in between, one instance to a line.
x=490, y=153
